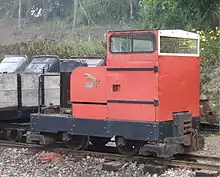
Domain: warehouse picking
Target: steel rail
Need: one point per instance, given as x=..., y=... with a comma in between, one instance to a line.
x=193, y=165
x=201, y=157
x=12, y=144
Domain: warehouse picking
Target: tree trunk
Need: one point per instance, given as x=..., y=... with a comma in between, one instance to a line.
x=131, y=9
x=74, y=14
x=19, y=15
x=219, y=109
x=87, y=17
x=45, y=3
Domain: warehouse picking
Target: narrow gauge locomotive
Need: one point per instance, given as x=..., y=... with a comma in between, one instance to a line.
x=146, y=94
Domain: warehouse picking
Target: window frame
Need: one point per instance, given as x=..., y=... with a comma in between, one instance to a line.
x=179, y=34
x=133, y=35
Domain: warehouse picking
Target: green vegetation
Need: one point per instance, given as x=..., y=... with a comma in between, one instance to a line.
x=193, y=15
x=147, y=13
x=209, y=45
x=184, y=14
x=63, y=50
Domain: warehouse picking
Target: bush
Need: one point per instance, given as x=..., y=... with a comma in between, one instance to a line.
x=209, y=51
x=210, y=64
x=63, y=50
x=209, y=46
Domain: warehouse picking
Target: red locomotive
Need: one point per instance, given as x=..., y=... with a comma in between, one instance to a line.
x=146, y=94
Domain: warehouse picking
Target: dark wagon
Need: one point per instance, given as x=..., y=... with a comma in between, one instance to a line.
x=44, y=63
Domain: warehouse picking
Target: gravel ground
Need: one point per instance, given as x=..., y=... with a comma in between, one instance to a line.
x=27, y=163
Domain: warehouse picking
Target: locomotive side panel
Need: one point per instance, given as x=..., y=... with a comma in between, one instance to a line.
x=89, y=111
x=88, y=92
x=179, y=86
x=132, y=95
x=8, y=90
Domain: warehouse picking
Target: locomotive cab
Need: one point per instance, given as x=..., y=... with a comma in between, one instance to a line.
x=147, y=96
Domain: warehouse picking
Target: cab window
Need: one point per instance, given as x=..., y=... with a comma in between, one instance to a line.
x=177, y=45
x=132, y=43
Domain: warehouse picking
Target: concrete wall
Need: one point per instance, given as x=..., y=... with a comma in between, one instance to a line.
x=29, y=83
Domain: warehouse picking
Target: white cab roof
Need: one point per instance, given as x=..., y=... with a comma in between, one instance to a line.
x=179, y=33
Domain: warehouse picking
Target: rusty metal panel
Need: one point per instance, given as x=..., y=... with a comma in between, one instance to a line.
x=8, y=90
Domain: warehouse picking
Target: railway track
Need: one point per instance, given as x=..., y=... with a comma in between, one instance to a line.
x=191, y=161
x=184, y=161
x=12, y=144
x=196, y=162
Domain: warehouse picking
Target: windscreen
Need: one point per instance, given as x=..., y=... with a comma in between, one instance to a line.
x=38, y=64
x=132, y=43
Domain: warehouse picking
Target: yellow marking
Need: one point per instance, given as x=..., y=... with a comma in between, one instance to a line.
x=92, y=78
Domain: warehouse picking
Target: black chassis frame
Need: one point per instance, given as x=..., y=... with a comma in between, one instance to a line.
x=172, y=131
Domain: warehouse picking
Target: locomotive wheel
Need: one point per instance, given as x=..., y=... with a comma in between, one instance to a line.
x=78, y=142
x=99, y=142
x=128, y=147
